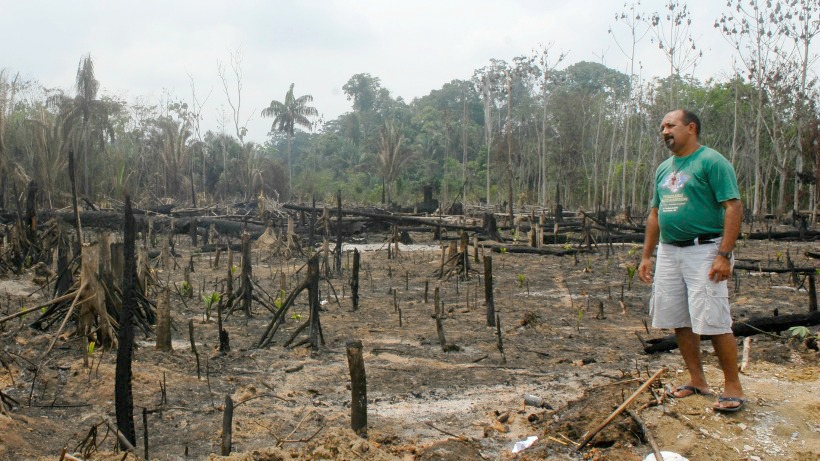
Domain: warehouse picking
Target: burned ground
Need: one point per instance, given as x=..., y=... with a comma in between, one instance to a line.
x=423, y=403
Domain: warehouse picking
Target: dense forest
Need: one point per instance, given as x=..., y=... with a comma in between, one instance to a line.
x=512, y=133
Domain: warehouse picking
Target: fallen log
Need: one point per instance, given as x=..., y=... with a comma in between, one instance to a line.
x=499, y=248
x=393, y=219
x=777, y=270
x=112, y=220
x=750, y=327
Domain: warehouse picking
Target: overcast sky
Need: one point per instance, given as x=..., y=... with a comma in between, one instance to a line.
x=147, y=49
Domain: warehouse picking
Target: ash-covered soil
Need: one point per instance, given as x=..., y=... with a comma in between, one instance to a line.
x=423, y=403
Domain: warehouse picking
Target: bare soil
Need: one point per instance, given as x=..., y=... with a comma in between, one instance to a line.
x=423, y=403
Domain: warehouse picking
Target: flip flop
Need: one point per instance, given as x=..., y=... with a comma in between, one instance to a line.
x=670, y=392
x=721, y=399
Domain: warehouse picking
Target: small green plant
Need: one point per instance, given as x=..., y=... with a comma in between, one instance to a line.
x=779, y=256
x=521, y=280
x=804, y=335
x=630, y=274
x=632, y=251
x=799, y=332
x=234, y=269
x=296, y=317
x=186, y=290
x=280, y=299
x=91, y=346
x=503, y=250
x=578, y=320
x=209, y=301
x=516, y=235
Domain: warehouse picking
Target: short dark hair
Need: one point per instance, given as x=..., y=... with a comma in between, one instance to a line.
x=690, y=117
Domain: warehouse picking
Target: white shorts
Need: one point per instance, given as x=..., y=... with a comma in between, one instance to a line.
x=683, y=296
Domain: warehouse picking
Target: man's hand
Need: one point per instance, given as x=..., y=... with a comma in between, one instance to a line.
x=645, y=270
x=721, y=269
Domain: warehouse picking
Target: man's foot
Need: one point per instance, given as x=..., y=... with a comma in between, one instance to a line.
x=729, y=404
x=686, y=390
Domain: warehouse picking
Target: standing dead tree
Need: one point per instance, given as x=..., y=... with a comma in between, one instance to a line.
x=123, y=398
x=311, y=283
x=458, y=261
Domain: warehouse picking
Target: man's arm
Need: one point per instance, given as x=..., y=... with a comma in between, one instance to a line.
x=722, y=266
x=653, y=232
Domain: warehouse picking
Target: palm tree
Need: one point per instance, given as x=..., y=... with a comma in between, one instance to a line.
x=286, y=115
x=91, y=113
x=87, y=86
x=170, y=139
x=392, y=156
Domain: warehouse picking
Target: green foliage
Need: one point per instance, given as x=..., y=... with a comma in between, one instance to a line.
x=565, y=122
x=91, y=346
x=800, y=332
x=209, y=301
x=280, y=299
x=521, y=280
x=630, y=274
x=186, y=290
x=516, y=235
x=578, y=319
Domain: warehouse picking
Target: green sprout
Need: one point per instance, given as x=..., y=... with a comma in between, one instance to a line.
x=800, y=332
x=234, y=269
x=521, y=279
x=280, y=299
x=503, y=250
x=91, y=346
x=186, y=290
x=209, y=301
x=630, y=274
x=578, y=320
x=296, y=317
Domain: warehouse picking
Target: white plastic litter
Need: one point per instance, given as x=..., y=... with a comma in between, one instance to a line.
x=522, y=445
x=667, y=456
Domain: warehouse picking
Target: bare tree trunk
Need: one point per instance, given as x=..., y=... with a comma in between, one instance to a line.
x=358, y=388
x=488, y=128
x=508, y=129
x=124, y=403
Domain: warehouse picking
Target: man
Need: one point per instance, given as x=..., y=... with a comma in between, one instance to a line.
x=696, y=215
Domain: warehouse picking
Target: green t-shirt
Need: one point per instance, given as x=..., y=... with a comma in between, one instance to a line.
x=688, y=193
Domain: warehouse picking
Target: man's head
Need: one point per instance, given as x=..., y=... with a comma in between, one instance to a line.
x=680, y=130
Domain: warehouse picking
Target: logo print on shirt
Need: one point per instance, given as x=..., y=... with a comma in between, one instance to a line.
x=675, y=181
